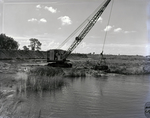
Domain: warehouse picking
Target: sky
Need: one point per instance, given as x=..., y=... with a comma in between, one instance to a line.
x=52, y=21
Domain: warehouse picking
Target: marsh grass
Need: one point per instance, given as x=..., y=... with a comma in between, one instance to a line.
x=43, y=78
x=84, y=63
x=21, y=86
x=44, y=83
x=129, y=66
x=7, y=80
x=76, y=72
x=46, y=71
x=121, y=64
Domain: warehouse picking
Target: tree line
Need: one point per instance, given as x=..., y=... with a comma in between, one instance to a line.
x=8, y=43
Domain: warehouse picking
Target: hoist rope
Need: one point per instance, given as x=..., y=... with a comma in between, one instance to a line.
x=107, y=25
x=83, y=24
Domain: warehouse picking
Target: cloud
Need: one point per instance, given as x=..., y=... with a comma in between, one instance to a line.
x=38, y=6
x=43, y=20
x=117, y=30
x=126, y=32
x=65, y=20
x=32, y=20
x=51, y=9
x=100, y=19
x=108, y=28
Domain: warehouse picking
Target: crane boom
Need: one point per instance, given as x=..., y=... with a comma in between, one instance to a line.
x=57, y=56
x=87, y=28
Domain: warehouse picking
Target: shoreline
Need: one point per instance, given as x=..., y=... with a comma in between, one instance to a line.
x=125, y=65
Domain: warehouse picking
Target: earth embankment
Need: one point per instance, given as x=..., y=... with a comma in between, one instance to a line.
x=22, y=54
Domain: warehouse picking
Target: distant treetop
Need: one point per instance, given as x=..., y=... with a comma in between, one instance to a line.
x=35, y=44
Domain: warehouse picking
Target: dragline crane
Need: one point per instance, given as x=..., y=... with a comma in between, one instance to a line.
x=58, y=57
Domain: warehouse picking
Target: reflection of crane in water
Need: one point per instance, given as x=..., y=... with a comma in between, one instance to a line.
x=100, y=83
x=58, y=57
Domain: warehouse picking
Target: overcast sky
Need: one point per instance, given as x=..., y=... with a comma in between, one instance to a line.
x=52, y=21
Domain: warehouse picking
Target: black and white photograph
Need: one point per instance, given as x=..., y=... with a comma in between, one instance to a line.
x=74, y=58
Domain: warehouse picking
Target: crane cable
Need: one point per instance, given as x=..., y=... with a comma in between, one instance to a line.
x=107, y=26
x=64, y=42
x=83, y=24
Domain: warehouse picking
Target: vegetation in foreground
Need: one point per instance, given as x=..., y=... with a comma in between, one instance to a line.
x=44, y=83
x=9, y=104
x=41, y=78
x=46, y=71
x=45, y=78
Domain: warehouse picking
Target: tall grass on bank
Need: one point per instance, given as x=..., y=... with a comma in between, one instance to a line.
x=42, y=83
x=76, y=72
x=43, y=78
x=87, y=64
x=46, y=71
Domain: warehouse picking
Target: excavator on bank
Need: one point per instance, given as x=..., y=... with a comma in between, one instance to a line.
x=58, y=57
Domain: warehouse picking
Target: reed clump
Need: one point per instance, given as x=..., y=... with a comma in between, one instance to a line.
x=76, y=72
x=42, y=83
x=45, y=78
x=46, y=71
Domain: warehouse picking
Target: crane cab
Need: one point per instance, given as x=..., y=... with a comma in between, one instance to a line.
x=55, y=55
x=56, y=58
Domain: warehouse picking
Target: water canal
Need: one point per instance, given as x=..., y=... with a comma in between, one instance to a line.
x=116, y=96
